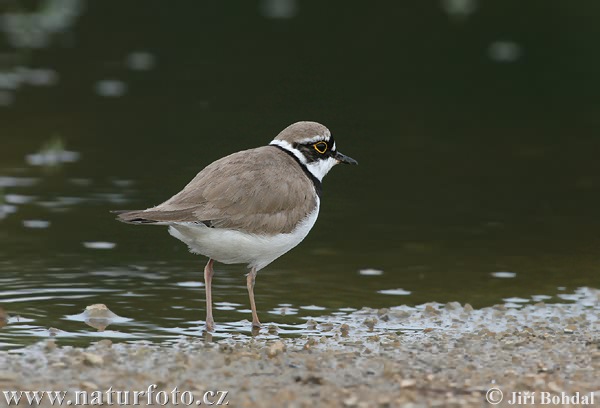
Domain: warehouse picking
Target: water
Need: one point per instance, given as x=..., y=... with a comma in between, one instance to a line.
x=479, y=203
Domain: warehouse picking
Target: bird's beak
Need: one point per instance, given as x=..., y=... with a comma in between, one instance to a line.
x=342, y=158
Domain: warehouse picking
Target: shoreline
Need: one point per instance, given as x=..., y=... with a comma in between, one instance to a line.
x=444, y=355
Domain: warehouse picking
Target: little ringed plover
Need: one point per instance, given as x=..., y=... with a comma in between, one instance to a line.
x=252, y=206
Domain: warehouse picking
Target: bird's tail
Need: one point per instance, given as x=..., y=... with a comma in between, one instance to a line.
x=133, y=217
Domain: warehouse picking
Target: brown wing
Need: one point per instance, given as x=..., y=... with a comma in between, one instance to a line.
x=254, y=190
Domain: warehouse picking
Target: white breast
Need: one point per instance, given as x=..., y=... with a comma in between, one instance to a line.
x=231, y=247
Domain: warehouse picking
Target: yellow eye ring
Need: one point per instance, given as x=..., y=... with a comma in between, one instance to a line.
x=320, y=147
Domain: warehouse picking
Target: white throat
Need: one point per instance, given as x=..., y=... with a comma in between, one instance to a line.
x=318, y=169
x=321, y=167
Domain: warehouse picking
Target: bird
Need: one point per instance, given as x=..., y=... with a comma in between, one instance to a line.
x=252, y=206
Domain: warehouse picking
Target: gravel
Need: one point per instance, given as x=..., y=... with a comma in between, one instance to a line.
x=432, y=355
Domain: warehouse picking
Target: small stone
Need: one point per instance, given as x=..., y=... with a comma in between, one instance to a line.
x=275, y=349
x=408, y=383
x=467, y=308
x=430, y=309
x=383, y=311
x=370, y=322
x=98, y=316
x=570, y=329
x=542, y=368
x=528, y=330
x=7, y=376
x=52, y=331
x=344, y=329
x=92, y=359
x=554, y=387
x=327, y=326
x=310, y=342
x=383, y=400
x=50, y=345
x=89, y=385
x=105, y=343
x=351, y=401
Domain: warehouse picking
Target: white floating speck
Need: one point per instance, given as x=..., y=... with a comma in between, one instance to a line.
x=39, y=76
x=17, y=199
x=6, y=181
x=312, y=307
x=540, y=298
x=217, y=307
x=6, y=209
x=370, y=272
x=283, y=9
x=111, y=88
x=141, y=61
x=123, y=183
x=569, y=296
x=459, y=8
x=51, y=157
x=503, y=274
x=516, y=300
x=284, y=311
x=228, y=304
x=10, y=80
x=99, y=245
x=398, y=291
x=36, y=224
x=190, y=284
x=504, y=51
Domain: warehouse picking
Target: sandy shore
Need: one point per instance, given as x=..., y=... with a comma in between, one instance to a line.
x=433, y=355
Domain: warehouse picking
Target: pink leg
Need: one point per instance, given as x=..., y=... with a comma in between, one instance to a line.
x=208, y=274
x=250, y=278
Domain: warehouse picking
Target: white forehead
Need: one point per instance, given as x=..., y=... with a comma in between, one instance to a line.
x=317, y=138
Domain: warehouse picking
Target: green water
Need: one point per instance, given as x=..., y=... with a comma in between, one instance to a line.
x=468, y=165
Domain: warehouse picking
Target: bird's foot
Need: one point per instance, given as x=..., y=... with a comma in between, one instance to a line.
x=210, y=326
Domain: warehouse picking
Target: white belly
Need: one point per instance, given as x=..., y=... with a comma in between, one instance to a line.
x=232, y=247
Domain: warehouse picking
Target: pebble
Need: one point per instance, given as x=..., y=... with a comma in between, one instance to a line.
x=275, y=349
x=408, y=383
x=89, y=385
x=7, y=376
x=92, y=359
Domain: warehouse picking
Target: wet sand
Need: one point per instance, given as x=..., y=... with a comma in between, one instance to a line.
x=433, y=355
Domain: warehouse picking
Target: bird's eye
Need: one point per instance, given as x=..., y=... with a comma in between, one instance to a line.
x=320, y=147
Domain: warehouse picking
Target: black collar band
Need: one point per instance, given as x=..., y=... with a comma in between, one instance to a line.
x=316, y=181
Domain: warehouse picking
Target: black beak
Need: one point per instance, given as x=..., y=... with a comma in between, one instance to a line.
x=342, y=158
